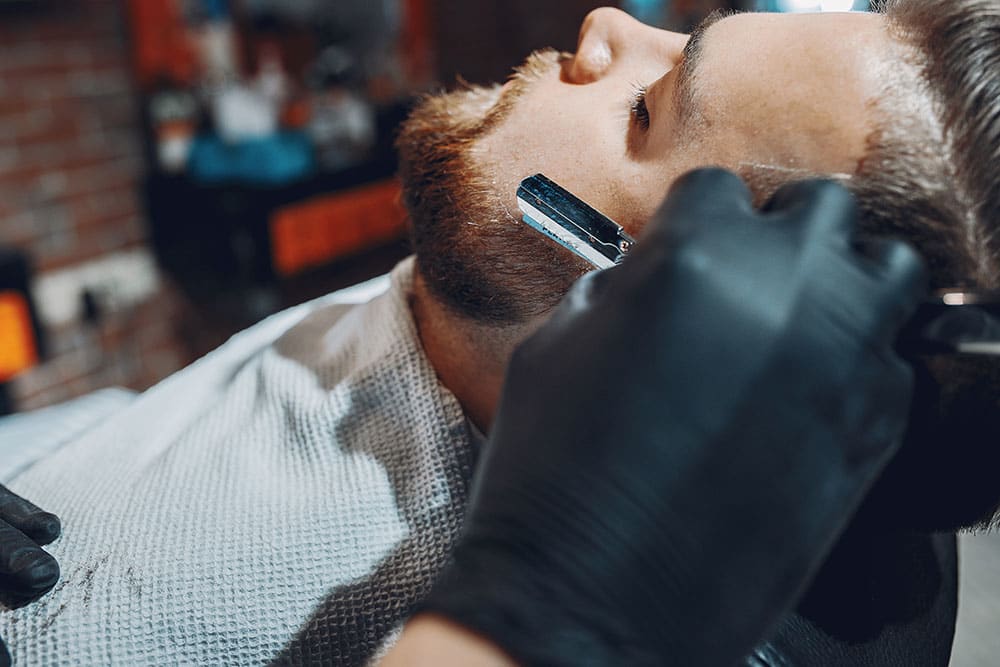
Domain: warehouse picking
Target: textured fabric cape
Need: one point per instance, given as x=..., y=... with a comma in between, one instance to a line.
x=288, y=499
x=285, y=500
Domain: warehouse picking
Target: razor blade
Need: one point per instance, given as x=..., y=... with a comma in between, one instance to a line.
x=572, y=223
x=954, y=321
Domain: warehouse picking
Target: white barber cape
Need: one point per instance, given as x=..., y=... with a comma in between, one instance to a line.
x=284, y=500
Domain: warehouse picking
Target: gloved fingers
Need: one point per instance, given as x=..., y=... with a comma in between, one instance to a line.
x=701, y=198
x=883, y=419
x=902, y=279
x=578, y=299
x=580, y=302
x=824, y=206
x=39, y=525
x=25, y=568
x=588, y=288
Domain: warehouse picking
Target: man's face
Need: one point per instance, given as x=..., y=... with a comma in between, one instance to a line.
x=616, y=123
x=796, y=94
x=788, y=91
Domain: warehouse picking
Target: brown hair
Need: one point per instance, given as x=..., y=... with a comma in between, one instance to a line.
x=931, y=173
x=931, y=177
x=936, y=180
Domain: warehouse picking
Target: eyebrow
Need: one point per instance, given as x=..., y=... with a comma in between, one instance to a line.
x=684, y=93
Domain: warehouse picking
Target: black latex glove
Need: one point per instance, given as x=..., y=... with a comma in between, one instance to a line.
x=26, y=570
x=677, y=449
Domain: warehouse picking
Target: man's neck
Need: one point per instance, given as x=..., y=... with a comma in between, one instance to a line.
x=470, y=358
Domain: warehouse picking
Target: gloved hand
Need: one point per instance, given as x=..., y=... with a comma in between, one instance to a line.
x=26, y=570
x=681, y=444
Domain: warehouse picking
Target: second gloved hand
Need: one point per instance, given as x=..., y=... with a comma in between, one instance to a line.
x=26, y=570
x=680, y=446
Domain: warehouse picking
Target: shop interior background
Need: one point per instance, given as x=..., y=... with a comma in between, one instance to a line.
x=172, y=171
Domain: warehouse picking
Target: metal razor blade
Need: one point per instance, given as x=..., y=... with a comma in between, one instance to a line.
x=950, y=321
x=954, y=321
x=572, y=223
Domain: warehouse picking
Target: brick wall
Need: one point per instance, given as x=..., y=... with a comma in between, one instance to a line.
x=70, y=166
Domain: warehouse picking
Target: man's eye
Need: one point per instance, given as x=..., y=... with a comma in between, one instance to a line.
x=638, y=108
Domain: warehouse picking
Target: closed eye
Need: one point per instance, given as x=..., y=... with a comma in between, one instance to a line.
x=639, y=111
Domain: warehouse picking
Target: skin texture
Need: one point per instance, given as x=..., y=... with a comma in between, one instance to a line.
x=433, y=641
x=792, y=92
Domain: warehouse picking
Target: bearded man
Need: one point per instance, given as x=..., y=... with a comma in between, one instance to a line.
x=290, y=497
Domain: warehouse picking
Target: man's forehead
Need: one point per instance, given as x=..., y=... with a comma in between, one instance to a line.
x=788, y=89
x=760, y=47
x=746, y=29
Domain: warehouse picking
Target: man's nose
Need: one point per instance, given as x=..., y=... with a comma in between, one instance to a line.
x=608, y=35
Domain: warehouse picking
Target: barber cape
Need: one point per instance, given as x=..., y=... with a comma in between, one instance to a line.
x=284, y=500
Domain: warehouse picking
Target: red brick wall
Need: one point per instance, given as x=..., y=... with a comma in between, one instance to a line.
x=70, y=165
